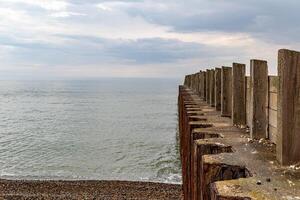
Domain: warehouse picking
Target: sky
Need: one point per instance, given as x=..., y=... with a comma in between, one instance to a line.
x=78, y=39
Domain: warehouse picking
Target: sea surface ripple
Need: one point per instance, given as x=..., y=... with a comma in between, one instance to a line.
x=110, y=129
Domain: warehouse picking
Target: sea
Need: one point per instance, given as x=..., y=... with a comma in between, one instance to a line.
x=106, y=129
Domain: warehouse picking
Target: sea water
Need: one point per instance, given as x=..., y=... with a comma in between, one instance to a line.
x=108, y=129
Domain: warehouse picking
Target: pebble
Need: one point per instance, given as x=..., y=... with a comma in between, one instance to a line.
x=258, y=182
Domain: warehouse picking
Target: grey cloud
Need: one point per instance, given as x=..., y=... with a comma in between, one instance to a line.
x=271, y=20
x=93, y=50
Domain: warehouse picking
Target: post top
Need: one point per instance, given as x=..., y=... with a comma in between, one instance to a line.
x=238, y=63
x=257, y=60
x=287, y=50
x=225, y=67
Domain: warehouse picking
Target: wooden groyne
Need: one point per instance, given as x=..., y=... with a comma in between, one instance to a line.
x=239, y=135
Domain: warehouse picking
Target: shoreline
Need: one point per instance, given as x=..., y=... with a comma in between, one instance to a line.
x=87, y=189
x=67, y=179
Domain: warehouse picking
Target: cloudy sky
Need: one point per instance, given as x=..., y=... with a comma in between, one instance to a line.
x=71, y=39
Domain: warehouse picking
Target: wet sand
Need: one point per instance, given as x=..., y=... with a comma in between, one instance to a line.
x=18, y=189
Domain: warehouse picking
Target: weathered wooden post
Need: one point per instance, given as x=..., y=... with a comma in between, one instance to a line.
x=197, y=82
x=200, y=82
x=238, y=95
x=259, y=99
x=203, y=85
x=212, y=88
x=207, y=85
x=189, y=80
x=193, y=82
x=226, y=91
x=288, y=117
x=218, y=88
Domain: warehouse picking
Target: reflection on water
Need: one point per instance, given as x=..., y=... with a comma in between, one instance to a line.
x=108, y=129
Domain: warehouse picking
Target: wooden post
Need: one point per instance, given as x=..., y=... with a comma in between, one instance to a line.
x=218, y=89
x=198, y=82
x=199, y=86
x=204, y=84
x=288, y=116
x=194, y=82
x=191, y=81
x=259, y=99
x=226, y=91
x=212, y=88
x=207, y=85
x=188, y=81
x=238, y=95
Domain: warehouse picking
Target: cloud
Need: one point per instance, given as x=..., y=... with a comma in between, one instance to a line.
x=92, y=50
x=52, y=5
x=66, y=14
x=141, y=37
x=271, y=20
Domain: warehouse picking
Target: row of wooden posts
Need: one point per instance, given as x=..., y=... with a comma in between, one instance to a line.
x=225, y=89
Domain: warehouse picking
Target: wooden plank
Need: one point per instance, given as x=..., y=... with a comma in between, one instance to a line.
x=197, y=82
x=273, y=100
x=248, y=100
x=272, y=134
x=273, y=84
x=272, y=117
x=212, y=88
x=258, y=99
x=247, y=82
x=238, y=95
x=203, y=85
x=207, y=85
x=226, y=91
x=288, y=143
x=218, y=88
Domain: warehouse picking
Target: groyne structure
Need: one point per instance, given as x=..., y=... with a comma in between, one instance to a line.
x=240, y=135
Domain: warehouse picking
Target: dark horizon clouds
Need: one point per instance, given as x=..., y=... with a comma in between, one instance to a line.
x=140, y=38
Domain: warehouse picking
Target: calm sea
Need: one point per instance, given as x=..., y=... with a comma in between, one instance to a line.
x=110, y=129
